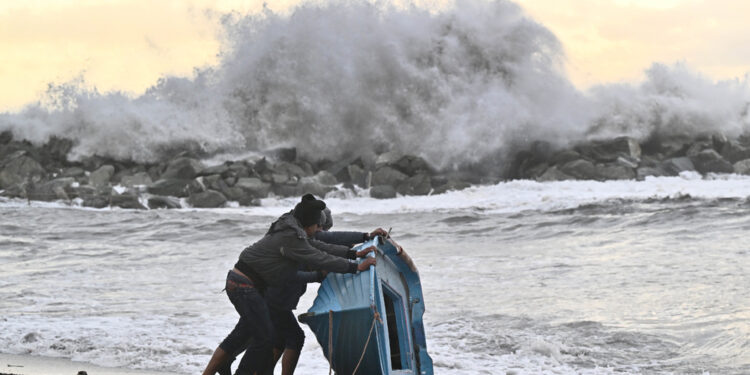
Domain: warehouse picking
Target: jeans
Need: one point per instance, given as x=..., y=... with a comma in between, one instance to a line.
x=253, y=332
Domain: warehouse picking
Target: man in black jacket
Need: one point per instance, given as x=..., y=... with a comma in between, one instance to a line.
x=272, y=261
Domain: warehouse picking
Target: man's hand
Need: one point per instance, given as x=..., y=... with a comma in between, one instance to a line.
x=378, y=232
x=363, y=253
x=365, y=265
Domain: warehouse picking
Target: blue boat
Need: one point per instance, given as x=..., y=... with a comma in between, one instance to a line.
x=371, y=322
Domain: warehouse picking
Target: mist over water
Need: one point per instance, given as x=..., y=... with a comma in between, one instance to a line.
x=474, y=80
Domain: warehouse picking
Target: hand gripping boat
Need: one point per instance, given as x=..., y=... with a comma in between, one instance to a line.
x=371, y=322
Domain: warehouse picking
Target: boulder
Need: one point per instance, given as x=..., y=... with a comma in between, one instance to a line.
x=383, y=192
x=734, y=152
x=74, y=172
x=340, y=169
x=412, y=165
x=101, y=177
x=419, y=184
x=138, y=179
x=742, y=167
x=14, y=191
x=183, y=168
x=170, y=187
x=56, y=150
x=254, y=187
x=216, y=169
x=93, y=197
x=675, y=166
x=56, y=189
x=6, y=137
x=207, y=199
x=563, y=157
x=698, y=146
x=387, y=158
x=127, y=200
x=19, y=170
x=553, y=174
x=709, y=161
x=357, y=176
x=580, y=169
x=284, y=154
x=642, y=172
x=450, y=185
x=608, y=151
x=387, y=176
x=163, y=202
x=614, y=171
x=318, y=185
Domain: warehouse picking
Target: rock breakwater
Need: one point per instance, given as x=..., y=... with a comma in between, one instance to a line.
x=44, y=173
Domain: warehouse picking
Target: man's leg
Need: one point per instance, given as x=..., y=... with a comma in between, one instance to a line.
x=289, y=361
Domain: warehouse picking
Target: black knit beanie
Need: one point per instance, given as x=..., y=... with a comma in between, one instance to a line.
x=308, y=210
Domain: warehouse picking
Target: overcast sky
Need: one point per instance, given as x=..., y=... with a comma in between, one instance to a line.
x=128, y=44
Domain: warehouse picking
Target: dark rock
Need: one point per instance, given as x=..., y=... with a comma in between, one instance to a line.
x=254, y=187
x=642, y=172
x=287, y=190
x=419, y=184
x=387, y=176
x=675, y=166
x=74, y=172
x=163, y=202
x=388, y=158
x=318, y=185
x=51, y=190
x=56, y=150
x=93, y=197
x=719, y=141
x=6, y=137
x=614, y=171
x=450, y=185
x=742, y=167
x=734, y=152
x=287, y=154
x=182, y=168
x=91, y=163
x=240, y=170
x=627, y=162
x=282, y=178
x=19, y=170
x=217, y=169
x=564, y=157
x=608, y=151
x=207, y=199
x=697, y=147
x=383, y=192
x=671, y=147
x=580, y=169
x=357, y=176
x=15, y=191
x=535, y=171
x=101, y=177
x=170, y=187
x=553, y=174
x=127, y=200
x=138, y=179
x=214, y=182
x=340, y=170
x=412, y=165
x=709, y=161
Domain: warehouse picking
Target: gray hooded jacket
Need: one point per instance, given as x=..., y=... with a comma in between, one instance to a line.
x=277, y=256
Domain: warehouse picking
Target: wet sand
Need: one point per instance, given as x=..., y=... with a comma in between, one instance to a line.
x=33, y=365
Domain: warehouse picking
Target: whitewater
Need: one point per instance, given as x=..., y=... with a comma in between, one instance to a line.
x=521, y=277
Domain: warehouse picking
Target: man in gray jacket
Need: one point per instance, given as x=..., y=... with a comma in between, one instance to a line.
x=272, y=261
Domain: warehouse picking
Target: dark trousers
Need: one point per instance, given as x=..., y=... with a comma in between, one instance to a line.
x=253, y=332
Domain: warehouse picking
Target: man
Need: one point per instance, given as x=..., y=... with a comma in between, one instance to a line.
x=273, y=261
x=282, y=300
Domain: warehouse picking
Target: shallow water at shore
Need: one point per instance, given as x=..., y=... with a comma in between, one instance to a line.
x=595, y=282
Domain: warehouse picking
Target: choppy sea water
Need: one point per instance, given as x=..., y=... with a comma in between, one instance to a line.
x=522, y=278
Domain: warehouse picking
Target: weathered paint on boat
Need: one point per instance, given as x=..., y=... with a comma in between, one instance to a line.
x=390, y=295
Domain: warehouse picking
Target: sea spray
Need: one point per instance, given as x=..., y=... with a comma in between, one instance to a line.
x=473, y=81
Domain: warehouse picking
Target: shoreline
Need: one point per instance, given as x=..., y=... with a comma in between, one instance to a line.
x=26, y=364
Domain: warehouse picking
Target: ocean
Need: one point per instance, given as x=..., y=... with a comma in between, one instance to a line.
x=574, y=277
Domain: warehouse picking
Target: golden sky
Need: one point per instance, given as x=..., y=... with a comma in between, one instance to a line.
x=128, y=44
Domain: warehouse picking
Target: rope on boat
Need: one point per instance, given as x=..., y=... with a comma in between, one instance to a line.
x=330, y=341
x=375, y=318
